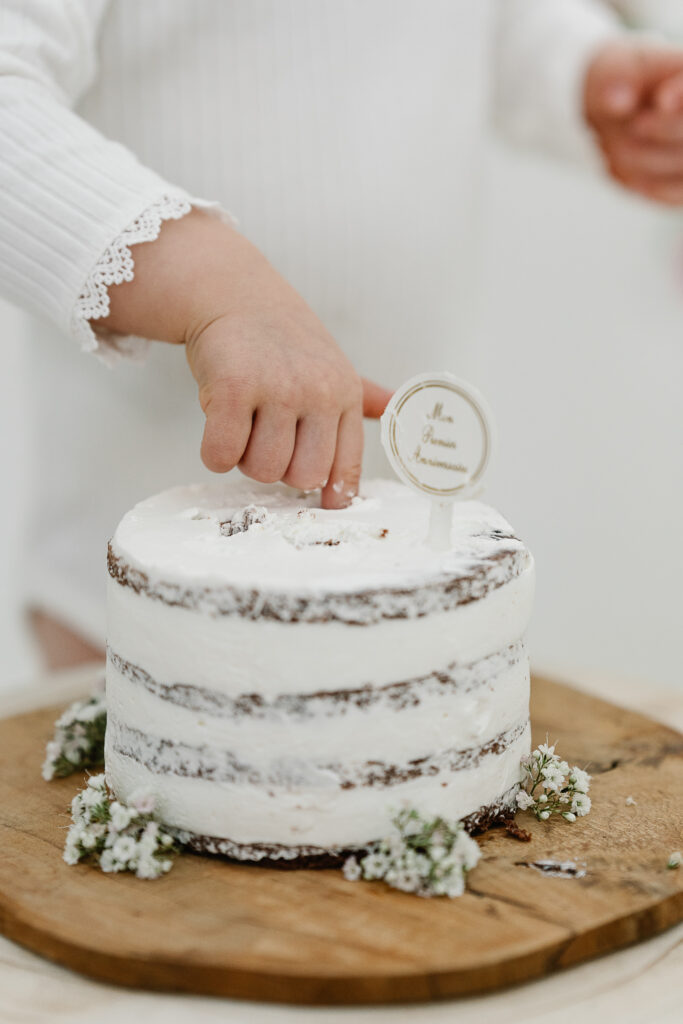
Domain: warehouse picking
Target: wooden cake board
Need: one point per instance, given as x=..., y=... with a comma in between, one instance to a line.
x=219, y=928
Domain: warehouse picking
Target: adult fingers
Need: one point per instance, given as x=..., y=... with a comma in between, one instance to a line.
x=656, y=126
x=310, y=465
x=648, y=159
x=613, y=84
x=668, y=95
x=342, y=484
x=375, y=399
x=623, y=77
x=662, y=190
x=229, y=412
x=270, y=445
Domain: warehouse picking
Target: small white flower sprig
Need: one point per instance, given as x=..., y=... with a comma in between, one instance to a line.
x=674, y=861
x=118, y=837
x=429, y=857
x=552, y=787
x=78, y=741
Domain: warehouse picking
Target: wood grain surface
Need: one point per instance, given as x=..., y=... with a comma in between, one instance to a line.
x=311, y=937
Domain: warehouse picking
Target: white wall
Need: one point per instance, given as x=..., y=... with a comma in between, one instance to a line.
x=582, y=359
x=581, y=355
x=17, y=658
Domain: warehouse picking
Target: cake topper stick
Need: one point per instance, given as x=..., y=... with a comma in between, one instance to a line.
x=438, y=433
x=440, y=522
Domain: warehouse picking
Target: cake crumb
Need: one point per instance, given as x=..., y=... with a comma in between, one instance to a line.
x=242, y=520
x=514, y=830
x=556, y=868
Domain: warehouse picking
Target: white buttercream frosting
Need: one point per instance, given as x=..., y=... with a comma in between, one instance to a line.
x=379, y=541
x=426, y=716
x=277, y=725
x=326, y=817
x=237, y=655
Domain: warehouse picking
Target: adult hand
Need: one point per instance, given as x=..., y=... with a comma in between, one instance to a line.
x=633, y=101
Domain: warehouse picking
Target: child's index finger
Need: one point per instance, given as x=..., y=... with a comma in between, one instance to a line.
x=342, y=485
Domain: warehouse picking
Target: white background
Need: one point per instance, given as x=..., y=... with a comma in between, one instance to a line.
x=582, y=359
x=583, y=319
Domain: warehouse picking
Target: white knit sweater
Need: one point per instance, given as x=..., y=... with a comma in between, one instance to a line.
x=345, y=137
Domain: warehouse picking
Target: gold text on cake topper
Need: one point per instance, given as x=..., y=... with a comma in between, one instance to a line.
x=430, y=419
x=430, y=438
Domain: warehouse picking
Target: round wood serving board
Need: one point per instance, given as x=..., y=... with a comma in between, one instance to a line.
x=219, y=928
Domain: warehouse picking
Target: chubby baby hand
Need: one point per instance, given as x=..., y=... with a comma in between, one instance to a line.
x=281, y=399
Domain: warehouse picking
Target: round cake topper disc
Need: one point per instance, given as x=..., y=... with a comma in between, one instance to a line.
x=438, y=433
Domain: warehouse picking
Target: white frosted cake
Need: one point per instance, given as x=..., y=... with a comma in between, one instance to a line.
x=286, y=678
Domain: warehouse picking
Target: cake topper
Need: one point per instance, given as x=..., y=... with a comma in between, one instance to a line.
x=438, y=433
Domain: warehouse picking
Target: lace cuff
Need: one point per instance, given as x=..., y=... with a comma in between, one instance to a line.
x=114, y=266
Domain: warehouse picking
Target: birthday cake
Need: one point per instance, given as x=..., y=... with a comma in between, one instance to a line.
x=286, y=678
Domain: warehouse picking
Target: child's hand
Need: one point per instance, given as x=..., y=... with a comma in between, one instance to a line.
x=633, y=100
x=281, y=399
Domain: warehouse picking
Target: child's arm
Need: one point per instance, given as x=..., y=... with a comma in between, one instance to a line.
x=281, y=399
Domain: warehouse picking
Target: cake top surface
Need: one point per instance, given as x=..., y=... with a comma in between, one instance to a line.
x=243, y=535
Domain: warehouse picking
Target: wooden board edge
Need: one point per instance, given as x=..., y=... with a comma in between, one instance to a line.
x=349, y=990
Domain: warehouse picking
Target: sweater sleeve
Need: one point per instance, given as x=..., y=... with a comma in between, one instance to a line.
x=71, y=201
x=543, y=51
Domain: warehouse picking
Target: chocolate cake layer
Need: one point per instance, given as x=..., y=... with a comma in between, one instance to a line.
x=166, y=757
x=508, y=558
x=392, y=697
x=274, y=855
